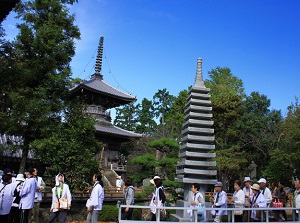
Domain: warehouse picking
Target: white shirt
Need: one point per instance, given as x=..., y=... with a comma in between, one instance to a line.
x=221, y=202
x=239, y=198
x=64, y=194
x=260, y=200
x=6, y=197
x=248, y=192
x=268, y=195
x=96, y=198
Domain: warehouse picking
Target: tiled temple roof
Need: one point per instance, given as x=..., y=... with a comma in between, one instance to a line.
x=99, y=86
x=116, y=131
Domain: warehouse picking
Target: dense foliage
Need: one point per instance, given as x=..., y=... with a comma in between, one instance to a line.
x=35, y=79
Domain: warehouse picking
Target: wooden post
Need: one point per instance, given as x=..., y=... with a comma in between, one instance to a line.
x=100, y=168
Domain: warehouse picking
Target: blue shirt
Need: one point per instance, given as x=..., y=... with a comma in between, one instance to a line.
x=27, y=193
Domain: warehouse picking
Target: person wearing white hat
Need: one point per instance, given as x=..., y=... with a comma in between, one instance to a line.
x=152, y=180
x=15, y=211
x=265, y=191
x=257, y=200
x=219, y=201
x=248, y=193
x=61, y=195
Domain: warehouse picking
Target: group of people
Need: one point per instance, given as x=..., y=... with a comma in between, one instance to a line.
x=20, y=197
x=249, y=196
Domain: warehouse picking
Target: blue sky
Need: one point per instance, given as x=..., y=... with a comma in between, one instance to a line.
x=151, y=45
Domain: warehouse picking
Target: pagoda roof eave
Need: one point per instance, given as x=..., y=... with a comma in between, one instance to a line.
x=101, y=87
x=116, y=131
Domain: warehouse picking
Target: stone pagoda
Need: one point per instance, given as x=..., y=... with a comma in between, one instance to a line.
x=197, y=143
x=99, y=97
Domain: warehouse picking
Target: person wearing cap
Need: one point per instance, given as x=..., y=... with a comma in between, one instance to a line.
x=257, y=200
x=6, y=197
x=219, y=201
x=265, y=191
x=248, y=193
x=27, y=194
x=15, y=211
x=60, y=191
x=34, y=213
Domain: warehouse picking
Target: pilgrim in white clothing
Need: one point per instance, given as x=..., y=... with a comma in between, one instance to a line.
x=94, y=203
x=60, y=191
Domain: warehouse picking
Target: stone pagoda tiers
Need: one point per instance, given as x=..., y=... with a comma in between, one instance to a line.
x=197, y=143
x=99, y=96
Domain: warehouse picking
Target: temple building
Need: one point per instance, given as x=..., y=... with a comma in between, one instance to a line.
x=99, y=97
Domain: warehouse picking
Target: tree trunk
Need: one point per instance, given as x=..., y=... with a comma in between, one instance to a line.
x=25, y=152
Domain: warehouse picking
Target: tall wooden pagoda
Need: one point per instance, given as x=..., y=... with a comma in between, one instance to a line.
x=99, y=97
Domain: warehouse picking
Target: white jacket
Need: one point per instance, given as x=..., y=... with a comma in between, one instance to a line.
x=56, y=195
x=97, y=197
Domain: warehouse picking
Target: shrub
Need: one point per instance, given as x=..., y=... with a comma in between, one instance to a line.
x=109, y=213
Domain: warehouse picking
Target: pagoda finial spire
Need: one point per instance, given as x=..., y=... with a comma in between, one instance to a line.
x=98, y=65
x=199, y=78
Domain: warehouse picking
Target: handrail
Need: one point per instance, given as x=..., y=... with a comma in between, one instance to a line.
x=194, y=209
x=111, y=193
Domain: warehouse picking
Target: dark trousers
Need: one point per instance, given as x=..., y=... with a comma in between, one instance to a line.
x=153, y=218
x=61, y=214
x=24, y=215
x=4, y=218
x=238, y=218
x=14, y=215
x=126, y=215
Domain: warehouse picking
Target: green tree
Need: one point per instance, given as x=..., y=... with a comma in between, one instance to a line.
x=259, y=128
x=37, y=104
x=126, y=116
x=167, y=155
x=162, y=101
x=286, y=157
x=175, y=117
x=146, y=125
x=72, y=142
x=227, y=94
x=144, y=166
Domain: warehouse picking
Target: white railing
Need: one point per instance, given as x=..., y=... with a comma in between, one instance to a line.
x=117, y=167
x=264, y=213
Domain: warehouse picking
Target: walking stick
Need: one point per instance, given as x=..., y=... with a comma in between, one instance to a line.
x=249, y=206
